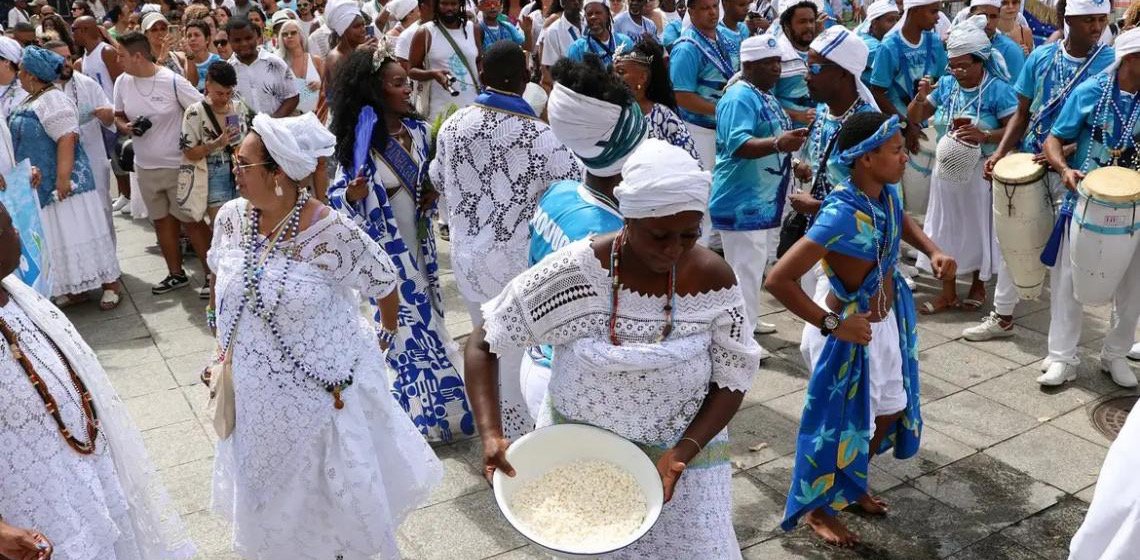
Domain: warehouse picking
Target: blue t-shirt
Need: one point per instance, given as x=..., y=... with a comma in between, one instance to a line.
x=672, y=33
x=735, y=36
x=1095, y=126
x=588, y=44
x=567, y=212
x=899, y=65
x=624, y=24
x=825, y=130
x=505, y=30
x=203, y=67
x=792, y=90
x=702, y=66
x=1046, y=72
x=986, y=105
x=873, y=45
x=1011, y=52
x=748, y=193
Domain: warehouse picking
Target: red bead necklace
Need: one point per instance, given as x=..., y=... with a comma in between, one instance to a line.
x=615, y=271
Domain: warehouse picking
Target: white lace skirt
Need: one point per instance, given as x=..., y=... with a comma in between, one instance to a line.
x=959, y=218
x=79, y=244
x=352, y=483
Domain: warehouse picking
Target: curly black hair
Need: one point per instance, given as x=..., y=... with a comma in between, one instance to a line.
x=857, y=128
x=436, y=11
x=357, y=84
x=591, y=78
x=660, y=87
x=790, y=11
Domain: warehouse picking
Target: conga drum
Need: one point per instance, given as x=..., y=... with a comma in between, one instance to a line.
x=1023, y=219
x=1105, y=233
x=916, y=177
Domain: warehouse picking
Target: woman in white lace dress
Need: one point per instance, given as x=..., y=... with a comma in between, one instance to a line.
x=87, y=490
x=664, y=362
x=322, y=463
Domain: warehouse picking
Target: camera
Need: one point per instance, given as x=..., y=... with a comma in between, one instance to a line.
x=450, y=87
x=140, y=125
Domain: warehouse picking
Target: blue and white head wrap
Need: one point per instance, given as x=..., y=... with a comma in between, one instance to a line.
x=847, y=51
x=969, y=37
x=886, y=131
x=600, y=133
x=42, y=64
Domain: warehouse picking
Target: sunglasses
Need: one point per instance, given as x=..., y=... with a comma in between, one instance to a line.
x=818, y=67
x=221, y=42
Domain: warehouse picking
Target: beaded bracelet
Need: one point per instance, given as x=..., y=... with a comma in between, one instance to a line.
x=211, y=317
x=386, y=336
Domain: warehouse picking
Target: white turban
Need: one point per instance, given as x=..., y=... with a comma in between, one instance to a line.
x=880, y=8
x=11, y=50
x=400, y=8
x=969, y=37
x=845, y=49
x=1127, y=43
x=660, y=179
x=341, y=13
x=600, y=133
x=536, y=97
x=295, y=142
x=759, y=47
x=1087, y=7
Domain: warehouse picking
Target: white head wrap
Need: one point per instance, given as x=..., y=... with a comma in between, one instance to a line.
x=660, y=179
x=11, y=50
x=587, y=126
x=295, y=142
x=1127, y=43
x=969, y=37
x=844, y=48
x=876, y=10
x=536, y=97
x=759, y=47
x=341, y=13
x=907, y=5
x=1087, y=7
x=400, y=8
x=991, y=3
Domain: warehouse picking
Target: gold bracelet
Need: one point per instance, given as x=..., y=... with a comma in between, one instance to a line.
x=695, y=442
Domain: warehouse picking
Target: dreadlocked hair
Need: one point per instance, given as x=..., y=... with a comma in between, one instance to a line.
x=435, y=17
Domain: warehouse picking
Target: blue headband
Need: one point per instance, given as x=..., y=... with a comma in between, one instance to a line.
x=42, y=64
x=885, y=132
x=628, y=132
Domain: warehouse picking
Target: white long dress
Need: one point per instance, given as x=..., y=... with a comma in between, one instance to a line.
x=1111, y=530
x=298, y=478
x=644, y=391
x=108, y=505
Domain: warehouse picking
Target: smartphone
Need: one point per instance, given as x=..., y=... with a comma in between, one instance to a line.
x=370, y=30
x=232, y=122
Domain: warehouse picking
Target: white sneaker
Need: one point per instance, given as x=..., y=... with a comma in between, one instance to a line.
x=1045, y=363
x=1121, y=374
x=1058, y=374
x=1135, y=353
x=989, y=329
x=120, y=203
x=764, y=328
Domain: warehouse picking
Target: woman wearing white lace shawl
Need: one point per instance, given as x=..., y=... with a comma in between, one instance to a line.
x=90, y=491
x=321, y=463
x=663, y=362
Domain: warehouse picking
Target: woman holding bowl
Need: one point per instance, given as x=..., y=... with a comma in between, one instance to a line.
x=650, y=342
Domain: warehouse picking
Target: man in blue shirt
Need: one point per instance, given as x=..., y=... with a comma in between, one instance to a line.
x=882, y=15
x=1049, y=75
x=600, y=37
x=633, y=24
x=797, y=30
x=1100, y=115
x=907, y=55
x=701, y=64
x=754, y=141
x=734, y=21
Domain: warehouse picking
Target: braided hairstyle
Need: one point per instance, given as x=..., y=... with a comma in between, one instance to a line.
x=436, y=11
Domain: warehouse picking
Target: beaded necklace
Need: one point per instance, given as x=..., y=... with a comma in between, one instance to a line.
x=1120, y=138
x=719, y=55
x=1041, y=127
x=91, y=419
x=615, y=271
x=880, y=249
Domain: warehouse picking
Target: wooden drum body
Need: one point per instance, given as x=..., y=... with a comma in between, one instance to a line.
x=1023, y=218
x=1105, y=233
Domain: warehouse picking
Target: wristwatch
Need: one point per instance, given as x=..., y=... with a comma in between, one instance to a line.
x=830, y=323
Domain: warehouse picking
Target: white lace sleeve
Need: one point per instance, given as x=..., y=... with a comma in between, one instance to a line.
x=553, y=302
x=57, y=114
x=735, y=354
x=360, y=262
x=227, y=230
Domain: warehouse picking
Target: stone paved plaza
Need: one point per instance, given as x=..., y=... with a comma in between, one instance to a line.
x=1006, y=469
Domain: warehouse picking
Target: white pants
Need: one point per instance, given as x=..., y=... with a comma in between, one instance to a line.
x=516, y=414
x=704, y=140
x=1005, y=292
x=888, y=394
x=747, y=254
x=1066, y=317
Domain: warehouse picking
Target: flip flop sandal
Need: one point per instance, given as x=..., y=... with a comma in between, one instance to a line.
x=971, y=304
x=65, y=301
x=928, y=308
x=110, y=300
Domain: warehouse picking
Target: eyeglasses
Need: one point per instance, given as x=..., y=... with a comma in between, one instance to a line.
x=402, y=82
x=239, y=168
x=289, y=33
x=221, y=43
x=817, y=67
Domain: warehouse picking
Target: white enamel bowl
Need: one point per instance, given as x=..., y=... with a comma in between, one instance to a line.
x=546, y=448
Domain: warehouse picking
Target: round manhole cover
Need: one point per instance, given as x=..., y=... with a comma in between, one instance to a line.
x=1108, y=417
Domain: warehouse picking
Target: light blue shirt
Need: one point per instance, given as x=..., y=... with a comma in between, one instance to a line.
x=873, y=45
x=624, y=24
x=505, y=30
x=1046, y=72
x=567, y=212
x=672, y=33
x=987, y=105
x=792, y=90
x=1097, y=129
x=825, y=130
x=899, y=65
x=697, y=65
x=735, y=36
x=203, y=68
x=1011, y=52
x=748, y=193
x=588, y=44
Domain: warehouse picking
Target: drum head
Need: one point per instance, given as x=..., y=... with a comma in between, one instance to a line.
x=1115, y=184
x=1018, y=168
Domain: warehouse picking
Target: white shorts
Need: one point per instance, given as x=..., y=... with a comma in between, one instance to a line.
x=888, y=395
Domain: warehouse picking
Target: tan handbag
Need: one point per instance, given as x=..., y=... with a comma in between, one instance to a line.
x=193, y=188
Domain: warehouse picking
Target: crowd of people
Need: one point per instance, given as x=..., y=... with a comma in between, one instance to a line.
x=618, y=183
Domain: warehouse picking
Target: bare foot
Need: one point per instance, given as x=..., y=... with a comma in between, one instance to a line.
x=831, y=529
x=872, y=505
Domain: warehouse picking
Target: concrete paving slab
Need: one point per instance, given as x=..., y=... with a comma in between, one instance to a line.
x=1053, y=456
x=1049, y=532
x=975, y=420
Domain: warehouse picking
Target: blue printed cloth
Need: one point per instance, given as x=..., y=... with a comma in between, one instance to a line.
x=31, y=141
x=700, y=65
x=1047, y=72
x=826, y=175
x=504, y=30
x=427, y=384
x=899, y=65
x=748, y=194
x=833, y=443
x=1089, y=120
x=589, y=44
